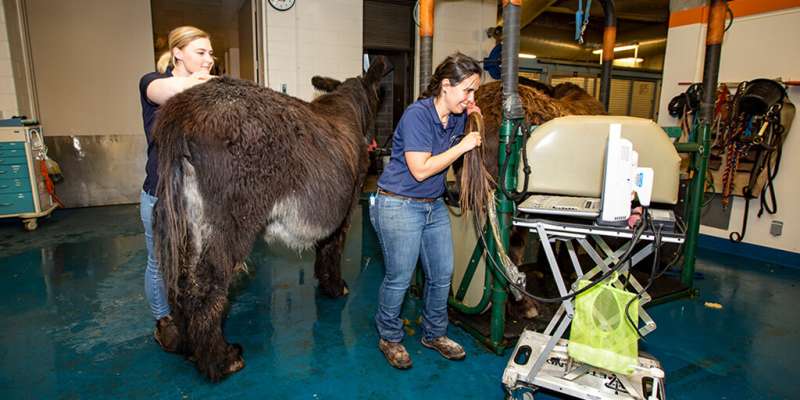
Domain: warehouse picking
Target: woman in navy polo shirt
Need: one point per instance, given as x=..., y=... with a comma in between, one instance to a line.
x=188, y=62
x=409, y=214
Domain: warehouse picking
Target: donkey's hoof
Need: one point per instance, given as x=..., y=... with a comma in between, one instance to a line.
x=234, y=366
x=167, y=335
x=334, y=289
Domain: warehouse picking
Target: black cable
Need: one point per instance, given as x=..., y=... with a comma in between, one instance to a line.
x=729, y=12
x=526, y=165
x=652, y=278
x=501, y=179
x=639, y=229
x=514, y=195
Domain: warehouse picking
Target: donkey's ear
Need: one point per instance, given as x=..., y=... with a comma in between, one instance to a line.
x=378, y=68
x=325, y=84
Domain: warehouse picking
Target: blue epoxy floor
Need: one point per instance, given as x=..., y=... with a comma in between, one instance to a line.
x=75, y=325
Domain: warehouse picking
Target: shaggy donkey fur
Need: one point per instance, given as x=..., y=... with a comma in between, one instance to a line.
x=541, y=103
x=237, y=160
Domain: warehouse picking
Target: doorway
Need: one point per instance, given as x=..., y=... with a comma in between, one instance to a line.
x=234, y=27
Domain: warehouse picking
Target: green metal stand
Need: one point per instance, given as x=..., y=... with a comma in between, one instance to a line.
x=694, y=202
x=495, y=285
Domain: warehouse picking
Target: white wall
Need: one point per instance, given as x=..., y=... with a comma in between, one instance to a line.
x=315, y=37
x=88, y=56
x=757, y=46
x=459, y=25
x=8, y=94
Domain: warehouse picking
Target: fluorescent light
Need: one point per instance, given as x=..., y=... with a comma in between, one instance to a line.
x=620, y=48
x=531, y=56
x=628, y=61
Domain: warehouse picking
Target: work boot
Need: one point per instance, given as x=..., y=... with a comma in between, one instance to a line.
x=446, y=347
x=166, y=334
x=395, y=353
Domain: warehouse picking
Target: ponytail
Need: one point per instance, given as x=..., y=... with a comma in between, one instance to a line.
x=164, y=62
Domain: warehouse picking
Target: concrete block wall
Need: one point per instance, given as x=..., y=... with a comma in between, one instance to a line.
x=315, y=37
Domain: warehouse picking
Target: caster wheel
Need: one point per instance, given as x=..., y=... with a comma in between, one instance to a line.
x=30, y=224
x=520, y=393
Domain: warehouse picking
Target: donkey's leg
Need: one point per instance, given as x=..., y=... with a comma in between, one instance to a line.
x=215, y=357
x=328, y=265
x=176, y=332
x=526, y=307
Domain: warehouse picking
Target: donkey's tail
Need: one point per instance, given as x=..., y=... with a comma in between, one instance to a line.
x=170, y=226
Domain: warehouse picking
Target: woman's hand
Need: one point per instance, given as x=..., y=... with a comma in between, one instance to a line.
x=197, y=78
x=470, y=141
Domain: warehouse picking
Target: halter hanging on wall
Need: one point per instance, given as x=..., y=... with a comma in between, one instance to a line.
x=748, y=132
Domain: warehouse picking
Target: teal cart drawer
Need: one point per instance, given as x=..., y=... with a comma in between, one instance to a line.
x=12, y=152
x=9, y=171
x=13, y=160
x=16, y=185
x=12, y=145
x=17, y=203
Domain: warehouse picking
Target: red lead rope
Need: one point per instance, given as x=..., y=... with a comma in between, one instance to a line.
x=49, y=182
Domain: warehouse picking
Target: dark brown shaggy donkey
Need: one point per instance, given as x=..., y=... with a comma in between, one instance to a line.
x=541, y=103
x=237, y=160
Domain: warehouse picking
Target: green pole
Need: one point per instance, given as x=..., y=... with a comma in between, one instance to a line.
x=505, y=210
x=696, y=195
x=714, y=35
x=507, y=153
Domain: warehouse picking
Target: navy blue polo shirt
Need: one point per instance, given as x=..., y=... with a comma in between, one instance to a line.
x=420, y=130
x=148, y=117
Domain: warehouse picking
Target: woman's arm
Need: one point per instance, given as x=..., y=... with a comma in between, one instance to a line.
x=423, y=165
x=160, y=90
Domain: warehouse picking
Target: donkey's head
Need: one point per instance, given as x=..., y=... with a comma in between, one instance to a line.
x=363, y=91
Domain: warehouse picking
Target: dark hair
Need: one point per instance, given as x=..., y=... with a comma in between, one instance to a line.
x=456, y=67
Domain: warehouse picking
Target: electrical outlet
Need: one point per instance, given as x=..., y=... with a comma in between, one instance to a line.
x=283, y=88
x=776, y=228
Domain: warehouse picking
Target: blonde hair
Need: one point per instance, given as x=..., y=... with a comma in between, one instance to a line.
x=178, y=38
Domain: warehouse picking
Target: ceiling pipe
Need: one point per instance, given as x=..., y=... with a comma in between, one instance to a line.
x=512, y=105
x=714, y=35
x=529, y=10
x=426, y=43
x=609, y=41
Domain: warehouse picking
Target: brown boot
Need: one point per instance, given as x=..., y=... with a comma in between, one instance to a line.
x=446, y=347
x=166, y=334
x=395, y=353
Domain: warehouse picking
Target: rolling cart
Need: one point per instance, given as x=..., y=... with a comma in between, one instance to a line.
x=541, y=360
x=23, y=185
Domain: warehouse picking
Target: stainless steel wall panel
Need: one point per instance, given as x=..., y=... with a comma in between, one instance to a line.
x=99, y=170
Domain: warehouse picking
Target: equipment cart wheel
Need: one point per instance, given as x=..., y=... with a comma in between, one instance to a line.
x=30, y=224
x=520, y=393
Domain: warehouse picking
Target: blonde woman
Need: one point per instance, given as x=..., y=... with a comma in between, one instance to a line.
x=188, y=62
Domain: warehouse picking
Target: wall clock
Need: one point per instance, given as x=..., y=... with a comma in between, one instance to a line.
x=281, y=5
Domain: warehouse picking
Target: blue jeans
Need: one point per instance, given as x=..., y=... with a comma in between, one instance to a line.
x=409, y=230
x=153, y=282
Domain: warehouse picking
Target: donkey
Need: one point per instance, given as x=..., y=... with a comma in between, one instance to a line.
x=541, y=103
x=238, y=160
